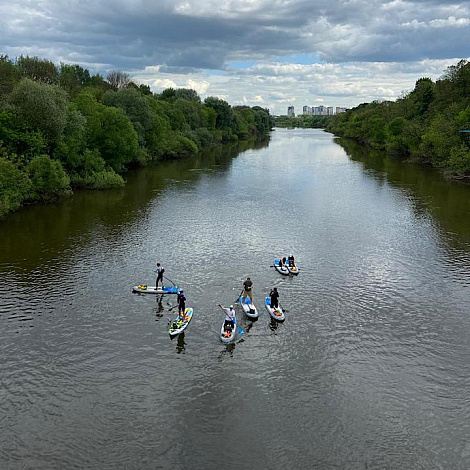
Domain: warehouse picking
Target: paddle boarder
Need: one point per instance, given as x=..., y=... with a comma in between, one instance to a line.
x=229, y=317
x=274, y=294
x=248, y=289
x=159, y=272
x=290, y=259
x=181, y=303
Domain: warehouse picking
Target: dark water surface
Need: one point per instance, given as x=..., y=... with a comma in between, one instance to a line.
x=371, y=369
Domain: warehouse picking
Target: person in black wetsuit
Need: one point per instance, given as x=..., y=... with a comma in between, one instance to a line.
x=274, y=294
x=290, y=260
x=181, y=303
x=159, y=272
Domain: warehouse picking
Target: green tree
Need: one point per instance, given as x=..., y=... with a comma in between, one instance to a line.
x=14, y=186
x=224, y=113
x=41, y=107
x=136, y=107
x=73, y=78
x=459, y=161
x=9, y=76
x=48, y=178
x=174, y=94
x=110, y=131
x=39, y=70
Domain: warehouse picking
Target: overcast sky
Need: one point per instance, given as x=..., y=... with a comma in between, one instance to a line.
x=272, y=53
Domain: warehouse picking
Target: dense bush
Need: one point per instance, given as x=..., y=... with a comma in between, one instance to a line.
x=14, y=186
x=48, y=178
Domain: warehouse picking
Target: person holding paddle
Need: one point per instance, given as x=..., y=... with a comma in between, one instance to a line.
x=248, y=289
x=290, y=260
x=229, y=317
x=181, y=303
x=159, y=272
x=274, y=294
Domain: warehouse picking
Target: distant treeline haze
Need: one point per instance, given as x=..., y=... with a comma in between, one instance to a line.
x=62, y=128
x=425, y=125
x=303, y=120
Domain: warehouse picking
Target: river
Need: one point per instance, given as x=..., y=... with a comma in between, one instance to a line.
x=370, y=370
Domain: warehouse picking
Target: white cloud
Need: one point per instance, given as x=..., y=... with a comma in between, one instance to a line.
x=200, y=86
x=161, y=84
x=450, y=22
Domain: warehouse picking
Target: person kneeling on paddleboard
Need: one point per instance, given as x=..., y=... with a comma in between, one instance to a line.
x=159, y=272
x=229, y=317
x=291, y=261
x=274, y=298
x=181, y=303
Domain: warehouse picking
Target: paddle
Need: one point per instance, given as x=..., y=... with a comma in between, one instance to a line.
x=164, y=277
x=282, y=308
x=240, y=329
x=174, y=306
x=239, y=295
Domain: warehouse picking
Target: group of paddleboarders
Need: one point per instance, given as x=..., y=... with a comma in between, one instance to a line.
x=247, y=293
x=289, y=261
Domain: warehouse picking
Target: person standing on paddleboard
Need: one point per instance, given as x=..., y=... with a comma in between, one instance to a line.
x=274, y=294
x=229, y=317
x=181, y=303
x=159, y=272
x=290, y=259
x=248, y=289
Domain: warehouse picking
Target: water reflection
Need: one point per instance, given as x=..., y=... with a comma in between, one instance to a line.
x=448, y=202
x=227, y=350
x=180, y=344
x=38, y=234
x=160, y=307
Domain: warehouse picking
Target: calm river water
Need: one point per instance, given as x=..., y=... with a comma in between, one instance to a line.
x=371, y=369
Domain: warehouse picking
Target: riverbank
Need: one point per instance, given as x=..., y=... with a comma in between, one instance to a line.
x=62, y=129
x=427, y=125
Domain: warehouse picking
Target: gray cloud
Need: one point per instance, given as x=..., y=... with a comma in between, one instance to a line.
x=186, y=37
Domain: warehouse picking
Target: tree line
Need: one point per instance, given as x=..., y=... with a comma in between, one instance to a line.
x=425, y=125
x=62, y=128
x=303, y=120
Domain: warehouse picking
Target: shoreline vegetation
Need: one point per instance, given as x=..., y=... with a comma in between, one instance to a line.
x=63, y=129
x=424, y=126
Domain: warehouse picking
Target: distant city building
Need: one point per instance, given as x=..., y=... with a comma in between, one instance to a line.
x=318, y=110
